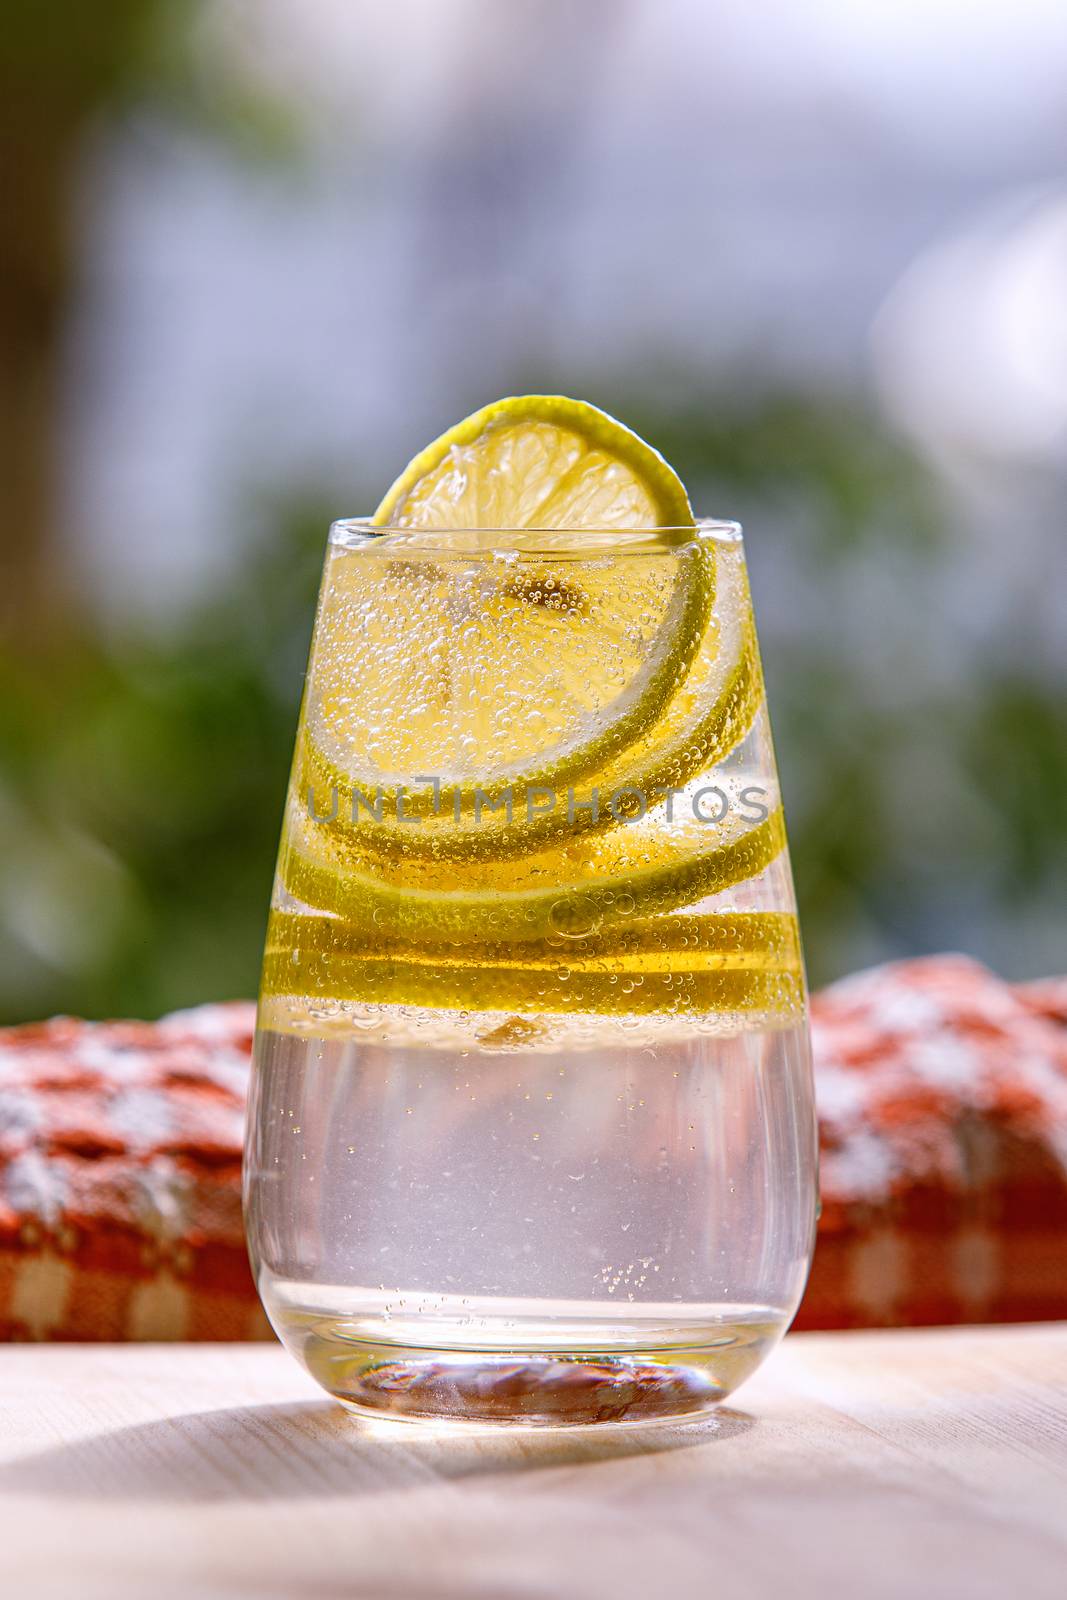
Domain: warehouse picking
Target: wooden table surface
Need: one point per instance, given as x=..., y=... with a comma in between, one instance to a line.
x=906, y=1464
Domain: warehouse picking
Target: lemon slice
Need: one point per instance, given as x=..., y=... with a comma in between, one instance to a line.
x=730, y=938
x=537, y=461
x=707, y=716
x=437, y=652
x=737, y=961
x=592, y=883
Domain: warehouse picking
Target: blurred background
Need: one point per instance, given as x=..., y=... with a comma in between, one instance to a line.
x=257, y=252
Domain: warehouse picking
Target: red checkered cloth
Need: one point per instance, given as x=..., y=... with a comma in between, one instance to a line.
x=120, y=1179
x=943, y=1117
x=942, y=1096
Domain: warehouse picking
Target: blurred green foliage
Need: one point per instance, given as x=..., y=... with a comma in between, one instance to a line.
x=140, y=778
x=82, y=60
x=141, y=795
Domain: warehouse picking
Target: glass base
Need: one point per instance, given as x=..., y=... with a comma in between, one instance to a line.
x=549, y=1367
x=531, y=1390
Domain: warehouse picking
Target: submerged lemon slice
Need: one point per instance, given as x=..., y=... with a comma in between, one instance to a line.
x=592, y=884
x=733, y=961
x=706, y=717
x=468, y=646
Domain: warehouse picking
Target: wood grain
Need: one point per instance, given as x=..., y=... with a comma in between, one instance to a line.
x=871, y=1465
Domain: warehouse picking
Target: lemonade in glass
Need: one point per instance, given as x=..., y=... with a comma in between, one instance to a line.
x=531, y=1137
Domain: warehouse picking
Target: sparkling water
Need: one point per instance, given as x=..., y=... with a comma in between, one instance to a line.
x=573, y=1221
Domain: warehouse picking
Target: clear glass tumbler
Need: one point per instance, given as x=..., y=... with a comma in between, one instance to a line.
x=531, y=1136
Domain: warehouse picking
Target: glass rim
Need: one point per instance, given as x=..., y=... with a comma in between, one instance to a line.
x=360, y=533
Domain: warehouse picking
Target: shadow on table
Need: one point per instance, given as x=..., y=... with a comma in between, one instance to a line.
x=284, y=1452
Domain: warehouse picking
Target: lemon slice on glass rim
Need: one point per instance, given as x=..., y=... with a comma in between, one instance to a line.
x=483, y=642
x=537, y=461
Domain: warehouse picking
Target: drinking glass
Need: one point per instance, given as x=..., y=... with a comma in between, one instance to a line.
x=531, y=1135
